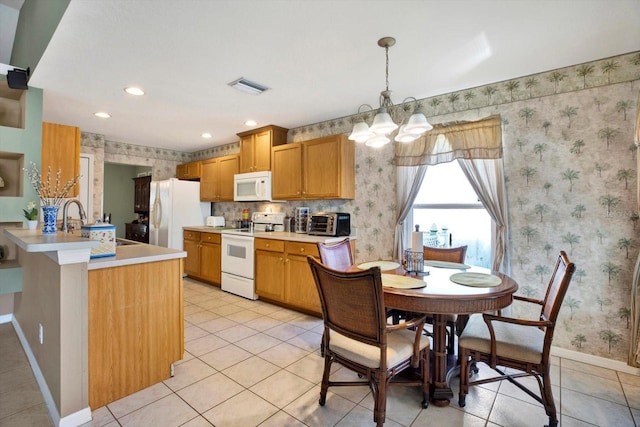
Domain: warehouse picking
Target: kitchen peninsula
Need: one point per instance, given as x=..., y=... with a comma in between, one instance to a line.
x=96, y=330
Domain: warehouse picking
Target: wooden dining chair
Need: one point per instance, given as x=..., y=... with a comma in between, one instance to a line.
x=357, y=336
x=457, y=254
x=520, y=344
x=336, y=255
x=445, y=254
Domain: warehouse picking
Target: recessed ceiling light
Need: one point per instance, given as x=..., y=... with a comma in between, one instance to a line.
x=206, y=135
x=132, y=90
x=102, y=115
x=250, y=123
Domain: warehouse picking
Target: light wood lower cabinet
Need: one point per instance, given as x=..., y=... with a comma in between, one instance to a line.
x=136, y=328
x=203, y=260
x=283, y=274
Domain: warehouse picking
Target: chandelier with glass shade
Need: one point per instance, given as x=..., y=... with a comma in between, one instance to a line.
x=384, y=125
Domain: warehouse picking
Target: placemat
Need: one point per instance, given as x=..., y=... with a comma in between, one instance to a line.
x=384, y=265
x=478, y=280
x=402, y=282
x=446, y=264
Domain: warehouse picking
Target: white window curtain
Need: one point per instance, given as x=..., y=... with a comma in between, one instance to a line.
x=478, y=146
x=408, y=179
x=487, y=179
x=634, y=340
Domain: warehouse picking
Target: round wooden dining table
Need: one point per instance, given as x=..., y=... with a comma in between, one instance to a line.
x=440, y=297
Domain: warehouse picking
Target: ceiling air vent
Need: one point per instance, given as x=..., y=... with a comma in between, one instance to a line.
x=248, y=86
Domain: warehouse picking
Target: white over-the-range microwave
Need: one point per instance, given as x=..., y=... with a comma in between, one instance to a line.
x=252, y=187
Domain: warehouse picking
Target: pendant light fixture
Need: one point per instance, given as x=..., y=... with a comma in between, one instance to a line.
x=383, y=124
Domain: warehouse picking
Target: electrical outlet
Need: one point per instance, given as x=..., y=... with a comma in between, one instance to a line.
x=40, y=333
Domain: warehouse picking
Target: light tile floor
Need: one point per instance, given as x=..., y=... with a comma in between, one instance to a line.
x=250, y=363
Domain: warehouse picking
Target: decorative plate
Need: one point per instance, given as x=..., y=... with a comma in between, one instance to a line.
x=384, y=265
x=446, y=264
x=478, y=280
x=402, y=282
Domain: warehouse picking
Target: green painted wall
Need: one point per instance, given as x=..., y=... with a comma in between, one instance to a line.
x=119, y=194
x=26, y=142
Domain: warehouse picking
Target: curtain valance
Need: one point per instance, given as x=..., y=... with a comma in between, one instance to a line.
x=481, y=139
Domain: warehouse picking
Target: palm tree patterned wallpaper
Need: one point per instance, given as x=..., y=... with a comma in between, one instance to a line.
x=570, y=165
x=569, y=160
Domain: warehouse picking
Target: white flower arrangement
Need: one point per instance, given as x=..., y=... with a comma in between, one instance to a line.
x=31, y=213
x=50, y=195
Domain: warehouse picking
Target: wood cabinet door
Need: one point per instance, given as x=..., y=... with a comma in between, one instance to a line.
x=262, y=151
x=269, y=278
x=300, y=288
x=246, y=154
x=286, y=170
x=321, y=168
x=192, y=261
x=190, y=171
x=228, y=167
x=210, y=268
x=60, y=152
x=209, y=181
x=142, y=189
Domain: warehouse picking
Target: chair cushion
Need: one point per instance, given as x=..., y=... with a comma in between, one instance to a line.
x=513, y=341
x=399, y=348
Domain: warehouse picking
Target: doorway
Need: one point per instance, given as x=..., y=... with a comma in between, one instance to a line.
x=118, y=193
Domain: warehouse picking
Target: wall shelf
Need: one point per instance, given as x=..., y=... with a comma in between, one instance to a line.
x=12, y=106
x=12, y=175
x=10, y=249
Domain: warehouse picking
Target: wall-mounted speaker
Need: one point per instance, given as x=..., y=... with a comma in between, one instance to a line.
x=17, y=78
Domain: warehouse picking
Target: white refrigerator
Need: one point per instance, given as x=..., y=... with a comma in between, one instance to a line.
x=174, y=204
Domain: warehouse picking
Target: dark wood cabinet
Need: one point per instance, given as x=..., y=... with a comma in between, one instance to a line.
x=142, y=193
x=137, y=232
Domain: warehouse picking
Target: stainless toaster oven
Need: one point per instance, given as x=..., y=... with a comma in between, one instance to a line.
x=329, y=224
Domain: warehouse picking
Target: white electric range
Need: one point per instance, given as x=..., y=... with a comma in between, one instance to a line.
x=238, y=253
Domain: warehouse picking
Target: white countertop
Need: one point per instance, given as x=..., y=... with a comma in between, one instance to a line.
x=277, y=235
x=35, y=241
x=136, y=254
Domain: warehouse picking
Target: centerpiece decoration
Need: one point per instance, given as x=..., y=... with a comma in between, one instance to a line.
x=51, y=195
x=31, y=214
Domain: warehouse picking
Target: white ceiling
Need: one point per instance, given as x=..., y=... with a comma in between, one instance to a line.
x=320, y=58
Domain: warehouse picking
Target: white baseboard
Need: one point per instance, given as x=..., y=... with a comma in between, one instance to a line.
x=72, y=420
x=6, y=318
x=594, y=360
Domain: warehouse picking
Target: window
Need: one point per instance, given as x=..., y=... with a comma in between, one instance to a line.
x=447, y=201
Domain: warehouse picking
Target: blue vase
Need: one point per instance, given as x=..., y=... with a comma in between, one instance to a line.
x=50, y=216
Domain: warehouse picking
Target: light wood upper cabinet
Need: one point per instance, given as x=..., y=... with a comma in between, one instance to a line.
x=61, y=151
x=286, y=174
x=216, y=181
x=322, y=168
x=190, y=171
x=255, y=147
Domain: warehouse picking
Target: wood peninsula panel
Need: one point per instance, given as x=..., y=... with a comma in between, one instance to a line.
x=136, y=328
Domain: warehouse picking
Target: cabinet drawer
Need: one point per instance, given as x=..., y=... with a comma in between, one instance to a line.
x=297, y=248
x=269, y=245
x=191, y=235
x=210, y=238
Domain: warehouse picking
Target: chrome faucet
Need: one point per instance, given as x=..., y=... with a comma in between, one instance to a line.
x=65, y=211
